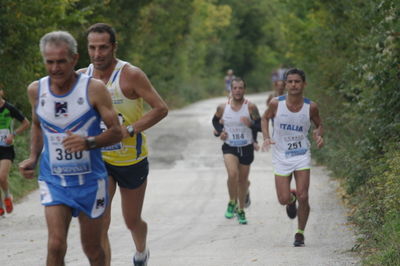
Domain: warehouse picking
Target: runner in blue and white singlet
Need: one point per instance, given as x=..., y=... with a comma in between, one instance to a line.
x=59, y=114
x=292, y=148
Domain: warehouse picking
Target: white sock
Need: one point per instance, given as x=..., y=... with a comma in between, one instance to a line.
x=141, y=255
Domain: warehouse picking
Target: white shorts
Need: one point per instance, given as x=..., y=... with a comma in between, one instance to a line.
x=287, y=167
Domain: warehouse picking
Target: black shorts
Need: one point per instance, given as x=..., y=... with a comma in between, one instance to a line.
x=7, y=153
x=130, y=176
x=245, y=153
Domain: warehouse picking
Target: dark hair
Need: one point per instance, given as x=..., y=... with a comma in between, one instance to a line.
x=294, y=71
x=103, y=28
x=238, y=79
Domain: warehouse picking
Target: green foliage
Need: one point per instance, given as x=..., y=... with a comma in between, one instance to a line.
x=19, y=186
x=350, y=50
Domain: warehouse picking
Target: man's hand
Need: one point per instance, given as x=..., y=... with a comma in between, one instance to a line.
x=267, y=144
x=223, y=135
x=247, y=121
x=74, y=142
x=256, y=146
x=9, y=139
x=319, y=140
x=27, y=168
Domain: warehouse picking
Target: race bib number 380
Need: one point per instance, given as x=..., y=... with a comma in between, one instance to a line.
x=63, y=162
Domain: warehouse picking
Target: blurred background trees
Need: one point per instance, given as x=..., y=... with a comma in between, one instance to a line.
x=349, y=50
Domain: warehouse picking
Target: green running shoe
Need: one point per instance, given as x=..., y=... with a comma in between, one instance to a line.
x=241, y=217
x=230, y=212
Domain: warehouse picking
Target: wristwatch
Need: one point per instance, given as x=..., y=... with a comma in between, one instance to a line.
x=91, y=143
x=131, y=130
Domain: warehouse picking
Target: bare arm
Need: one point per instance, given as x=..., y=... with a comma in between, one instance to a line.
x=27, y=167
x=268, y=114
x=318, y=132
x=135, y=84
x=101, y=100
x=255, y=123
x=22, y=127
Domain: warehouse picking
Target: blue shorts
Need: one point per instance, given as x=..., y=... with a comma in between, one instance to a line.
x=90, y=198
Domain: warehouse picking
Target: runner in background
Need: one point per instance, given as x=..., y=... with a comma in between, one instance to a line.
x=278, y=83
x=8, y=113
x=228, y=81
x=234, y=123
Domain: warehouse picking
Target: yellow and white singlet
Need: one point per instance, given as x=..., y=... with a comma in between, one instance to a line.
x=133, y=149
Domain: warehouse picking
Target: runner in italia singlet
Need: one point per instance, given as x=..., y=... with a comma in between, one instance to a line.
x=130, y=150
x=239, y=134
x=290, y=135
x=57, y=115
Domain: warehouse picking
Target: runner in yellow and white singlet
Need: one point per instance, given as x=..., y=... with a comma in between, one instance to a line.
x=126, y=161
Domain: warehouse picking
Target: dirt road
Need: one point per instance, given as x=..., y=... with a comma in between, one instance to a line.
x=185, y=205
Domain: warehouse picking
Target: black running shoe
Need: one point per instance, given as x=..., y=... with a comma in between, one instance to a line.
x=247, y=202
x=291, y=209
x=298, y=240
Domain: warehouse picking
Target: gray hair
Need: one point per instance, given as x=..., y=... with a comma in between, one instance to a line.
x=57, y=38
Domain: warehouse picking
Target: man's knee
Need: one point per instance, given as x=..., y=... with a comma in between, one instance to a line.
x=233, y=176
x=284, y=199
x=3, y=177
x=57, y=246
x=93, y=250
x=302, y=197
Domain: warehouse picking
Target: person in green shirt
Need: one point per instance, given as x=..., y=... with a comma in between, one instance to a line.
x=7, y=134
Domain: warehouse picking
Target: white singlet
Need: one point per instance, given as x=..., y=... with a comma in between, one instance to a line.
x=291, y=150
x=239, y=135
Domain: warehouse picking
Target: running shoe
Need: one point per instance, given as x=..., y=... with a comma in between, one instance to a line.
x=143, y=262
x=230, y=211
x=1, y=211
x=9, y=204
x=247, y=202
x=241, y=217
x=291, y=208
x=298, y=240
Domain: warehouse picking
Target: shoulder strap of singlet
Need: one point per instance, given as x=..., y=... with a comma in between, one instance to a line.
x=282, y=98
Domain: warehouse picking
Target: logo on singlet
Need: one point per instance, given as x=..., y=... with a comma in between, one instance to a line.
x=61, y=109
x=80, y=101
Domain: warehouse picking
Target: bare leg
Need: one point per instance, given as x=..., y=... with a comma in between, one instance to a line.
x=302, y=184
x=5, y=166
x=132, y=204
x=231, y=164
x=91, y=238
x=243, y=184
x=282, y=184
x=58, y=218
x=105, y=242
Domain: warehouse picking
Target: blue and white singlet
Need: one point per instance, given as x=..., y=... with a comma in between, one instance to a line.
x=57, y=115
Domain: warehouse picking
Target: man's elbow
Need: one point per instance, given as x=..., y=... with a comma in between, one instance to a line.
x=163, y=111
